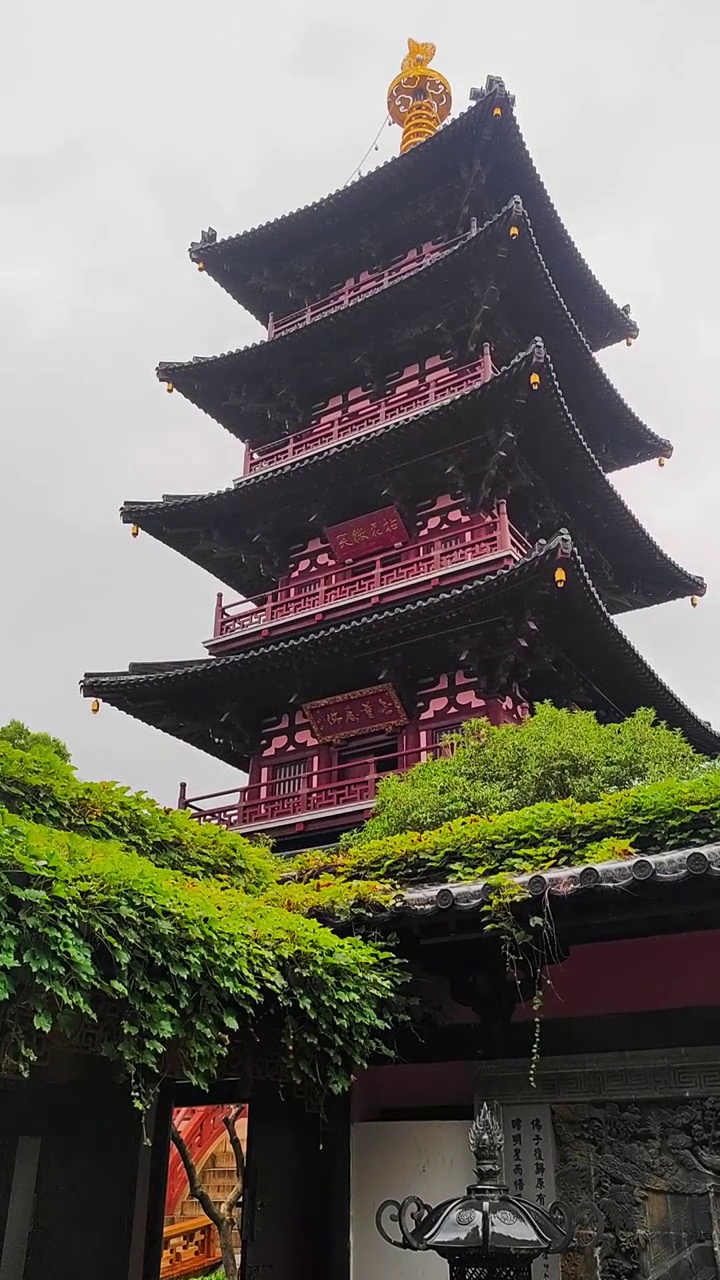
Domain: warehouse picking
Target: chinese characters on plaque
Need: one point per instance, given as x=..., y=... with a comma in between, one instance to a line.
x=530, y=1167
x=366, y=534
x=350, y=714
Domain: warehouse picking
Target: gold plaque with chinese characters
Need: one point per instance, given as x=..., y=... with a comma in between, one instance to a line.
x=366, y=535
x=347, y=715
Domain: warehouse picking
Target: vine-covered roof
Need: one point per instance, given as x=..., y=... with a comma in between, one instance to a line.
x=155, y=942
x=175, y=948
x=495, y=287
x=243, y=534
x=471, y=167
x=662, y=871
x=560, y=645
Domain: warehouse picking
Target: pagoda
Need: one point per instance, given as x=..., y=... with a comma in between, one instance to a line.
x=424, y=530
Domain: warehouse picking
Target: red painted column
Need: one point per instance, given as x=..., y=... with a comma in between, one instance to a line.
x=504, y=539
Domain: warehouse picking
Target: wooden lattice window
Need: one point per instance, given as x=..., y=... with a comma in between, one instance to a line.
x=288, y=776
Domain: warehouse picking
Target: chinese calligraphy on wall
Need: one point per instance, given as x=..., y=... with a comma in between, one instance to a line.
x=530, y=1166
x=367, y=534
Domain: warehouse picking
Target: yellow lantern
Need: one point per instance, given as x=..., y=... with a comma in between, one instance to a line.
x=560, y=577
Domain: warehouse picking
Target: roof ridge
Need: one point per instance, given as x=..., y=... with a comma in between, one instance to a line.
x=408, y=159
x=134, y=512
x=612, y=625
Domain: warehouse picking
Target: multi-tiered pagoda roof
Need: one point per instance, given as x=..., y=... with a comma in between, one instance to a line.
x=423, y=368
x=473, y=166
x=493, y=280
x=549, y=472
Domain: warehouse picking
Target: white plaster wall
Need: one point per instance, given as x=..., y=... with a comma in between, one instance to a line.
x=392, y=1159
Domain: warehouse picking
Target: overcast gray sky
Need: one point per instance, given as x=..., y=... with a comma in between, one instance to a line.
x=124, y=129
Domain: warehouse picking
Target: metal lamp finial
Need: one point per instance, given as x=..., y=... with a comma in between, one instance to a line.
x=419, y=98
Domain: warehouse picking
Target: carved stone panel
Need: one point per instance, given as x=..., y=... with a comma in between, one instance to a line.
x=637, y=1135
x=653, y=1170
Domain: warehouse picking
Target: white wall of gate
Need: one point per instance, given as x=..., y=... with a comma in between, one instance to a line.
x=392, y=1159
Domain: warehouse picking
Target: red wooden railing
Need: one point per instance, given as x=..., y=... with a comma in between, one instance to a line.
x=409, y=393
x=353, y=784
x=202, y=1128
x=465, y=544
x=190, y=1248
x=368, y=282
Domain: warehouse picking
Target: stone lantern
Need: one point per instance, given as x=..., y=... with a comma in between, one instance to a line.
x=486, y=1234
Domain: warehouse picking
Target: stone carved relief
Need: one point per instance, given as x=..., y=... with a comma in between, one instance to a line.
x=653, y=1169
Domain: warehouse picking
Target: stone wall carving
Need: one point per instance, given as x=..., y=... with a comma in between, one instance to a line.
x=638, y=1135
x=653, y=1170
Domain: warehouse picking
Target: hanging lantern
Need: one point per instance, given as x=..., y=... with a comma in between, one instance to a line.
x=497, y=113
x=694, y=600
x=661, y=462
x=534, y=380
x=560, y=577
x=514, y=232
x=201, y=266
x=135, y=531
x=95, y=706
x=169, y=388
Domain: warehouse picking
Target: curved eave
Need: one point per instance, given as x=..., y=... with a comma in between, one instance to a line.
x=300, y=368
x=638, y=573
x=190, y=700
x=642, y=877
x=282, y=264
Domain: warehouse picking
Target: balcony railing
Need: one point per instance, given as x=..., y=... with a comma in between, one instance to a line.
x=409, y=395
x=190, y=1248
x=350, y=786
x=483, y=540
x=368, y=282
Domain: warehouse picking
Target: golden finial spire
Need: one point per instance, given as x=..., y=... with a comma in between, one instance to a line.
x=419, y=98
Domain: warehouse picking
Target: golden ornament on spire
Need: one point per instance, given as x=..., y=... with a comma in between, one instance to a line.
x=419, y=98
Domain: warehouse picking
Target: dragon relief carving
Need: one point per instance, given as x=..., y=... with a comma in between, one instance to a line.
x=641, y=1164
